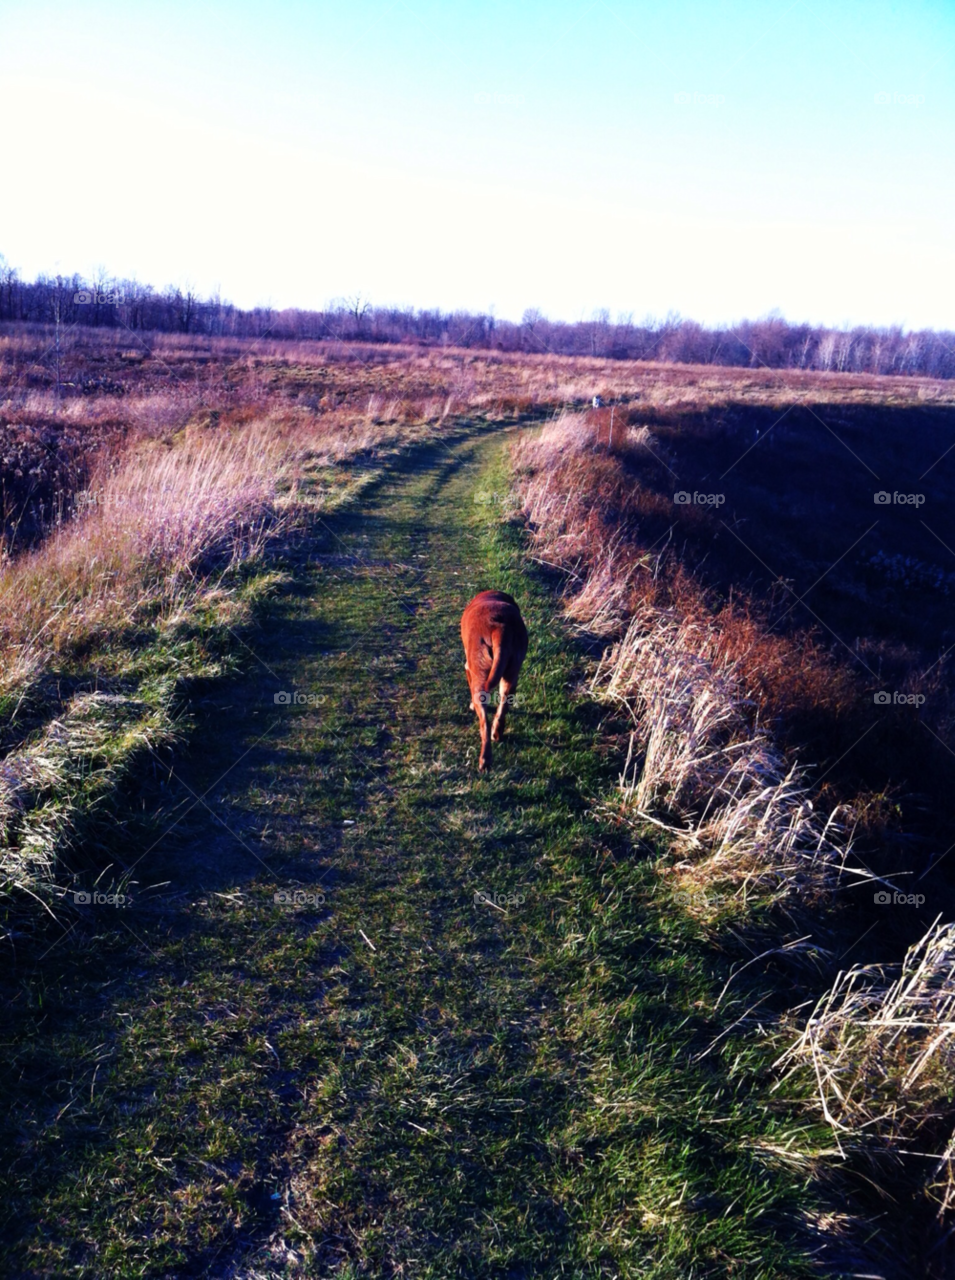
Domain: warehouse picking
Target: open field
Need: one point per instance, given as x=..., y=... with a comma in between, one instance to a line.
x=345, y=1008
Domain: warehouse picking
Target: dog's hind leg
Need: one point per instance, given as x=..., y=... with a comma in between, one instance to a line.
x=506, y=692
x=479, y=700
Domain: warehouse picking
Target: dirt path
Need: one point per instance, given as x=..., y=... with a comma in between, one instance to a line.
x=390, y=1076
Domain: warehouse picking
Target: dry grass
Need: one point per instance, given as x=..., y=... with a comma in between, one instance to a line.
x=157, y=519
x=699, y=764
x=700, y=685
x=882, y=1052
x=744, y=813
x=162, y=492
x=146, y=533
x=49, y=787
x=588, y=513
x=157, y=537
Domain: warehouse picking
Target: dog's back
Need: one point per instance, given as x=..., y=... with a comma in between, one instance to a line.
x=495, y=645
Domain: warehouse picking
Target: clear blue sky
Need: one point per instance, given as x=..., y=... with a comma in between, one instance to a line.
x=720, y=158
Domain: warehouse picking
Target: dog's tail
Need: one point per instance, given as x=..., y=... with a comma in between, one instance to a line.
x=497, y=660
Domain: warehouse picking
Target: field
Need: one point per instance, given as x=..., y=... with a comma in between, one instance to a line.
x=260, y=1017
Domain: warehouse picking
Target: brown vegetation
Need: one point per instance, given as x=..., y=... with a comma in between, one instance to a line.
x=725, y=691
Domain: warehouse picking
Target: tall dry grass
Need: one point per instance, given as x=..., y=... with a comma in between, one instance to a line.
x=137, y=545
x=156, y=531
x=138, y=476
x=699, y=763
x=151, y=529
x=108, y=596
x=740, y=812
x=880, y=1045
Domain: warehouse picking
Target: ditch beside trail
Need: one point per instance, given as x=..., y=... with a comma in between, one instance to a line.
x=389, y=1075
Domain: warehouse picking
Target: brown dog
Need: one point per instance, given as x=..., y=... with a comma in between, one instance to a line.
x=495, y=643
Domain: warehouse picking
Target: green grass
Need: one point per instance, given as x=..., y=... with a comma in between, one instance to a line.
x=394, y=1080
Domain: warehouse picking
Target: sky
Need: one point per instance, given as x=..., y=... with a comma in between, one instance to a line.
x=717, y=158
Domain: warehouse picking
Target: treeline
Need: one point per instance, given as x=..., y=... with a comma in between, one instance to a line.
x=766, y=342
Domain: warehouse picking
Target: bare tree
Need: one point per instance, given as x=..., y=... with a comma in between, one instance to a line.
x=358, y=309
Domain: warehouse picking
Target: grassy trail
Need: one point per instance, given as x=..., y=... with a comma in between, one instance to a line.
x=389, y=1078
